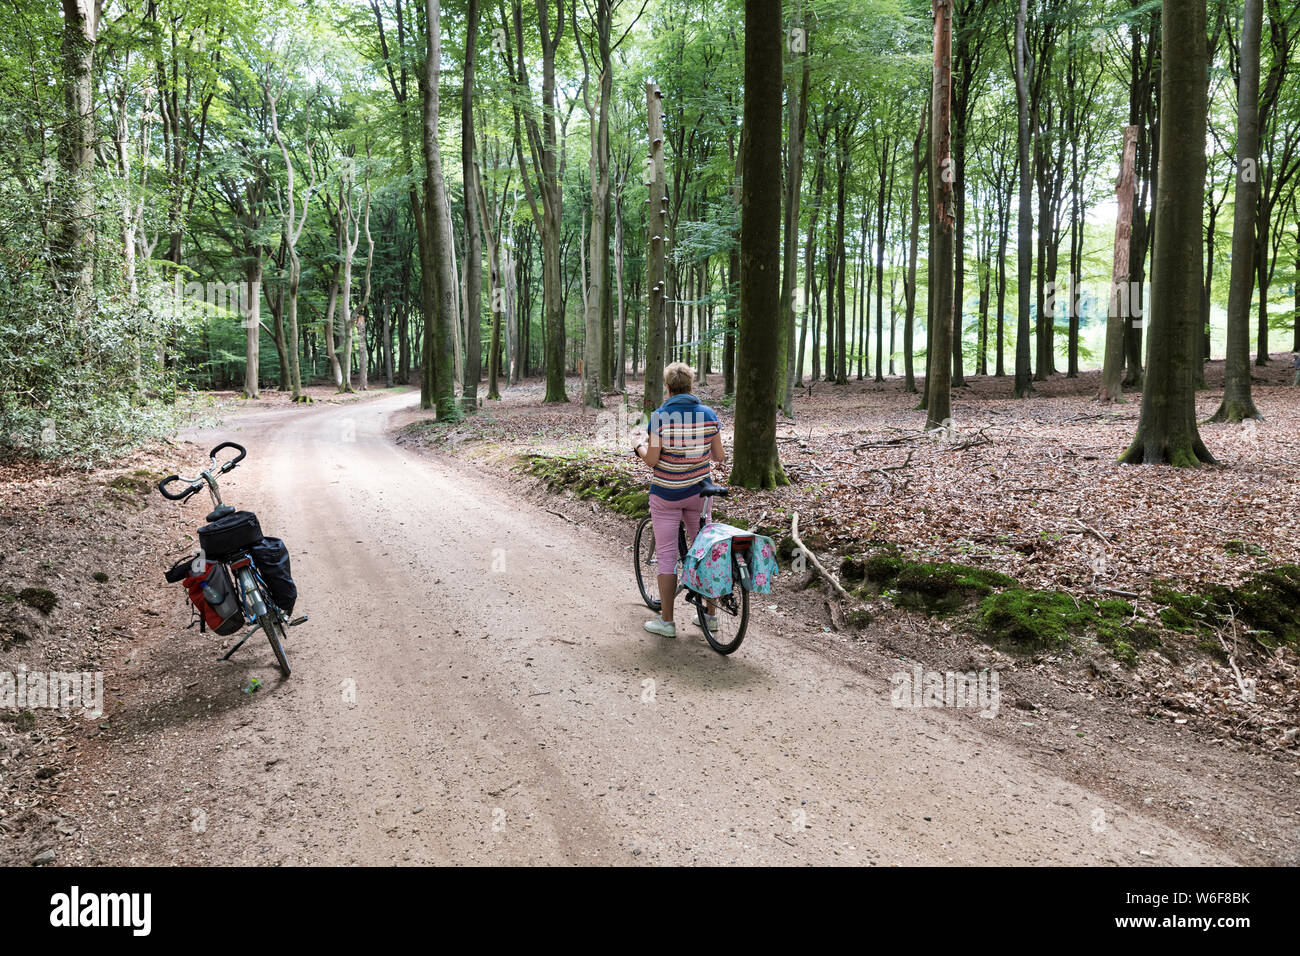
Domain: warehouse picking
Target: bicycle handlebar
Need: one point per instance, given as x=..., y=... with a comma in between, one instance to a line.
x=162, y=489
x=234, y=461
x=196, y=483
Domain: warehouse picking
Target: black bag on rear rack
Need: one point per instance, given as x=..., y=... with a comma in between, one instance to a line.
x=272, y=560
x=235, y=532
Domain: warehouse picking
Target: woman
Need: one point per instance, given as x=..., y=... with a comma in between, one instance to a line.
x=683, y=442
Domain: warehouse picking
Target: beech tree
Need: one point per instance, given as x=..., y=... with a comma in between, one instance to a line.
x=939, y=378
x=756, y=462
x=438, y=389
x=1167, y=431
x=1237, y=401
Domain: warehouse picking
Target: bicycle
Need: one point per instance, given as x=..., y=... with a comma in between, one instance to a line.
x=731, y=611
x=254, y=596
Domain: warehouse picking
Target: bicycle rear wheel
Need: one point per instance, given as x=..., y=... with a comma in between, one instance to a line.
x=275, y=634
x=645, y=562
x=730, y=619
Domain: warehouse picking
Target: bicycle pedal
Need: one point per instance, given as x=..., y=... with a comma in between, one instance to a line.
x=298, y=620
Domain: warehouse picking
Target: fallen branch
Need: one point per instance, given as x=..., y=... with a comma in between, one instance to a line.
x=558, y=515
x=794, y=533
x=903, y=439
x=1131, y=595
x=979, y=438
x=888, y=468
x=1081, y=528
x=1232, y=660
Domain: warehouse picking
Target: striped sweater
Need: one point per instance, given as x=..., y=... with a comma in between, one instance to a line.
x=685, y=427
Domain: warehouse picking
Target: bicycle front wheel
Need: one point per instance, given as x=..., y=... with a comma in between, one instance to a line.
x=729, y=620
x=645, y=561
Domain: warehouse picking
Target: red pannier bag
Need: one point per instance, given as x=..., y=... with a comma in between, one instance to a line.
x=213, y=595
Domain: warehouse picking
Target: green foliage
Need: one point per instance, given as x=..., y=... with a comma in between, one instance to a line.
x=933, y=587
x=591, y=478
x=1266, y=606
x=1030, y=620
x=77, y=387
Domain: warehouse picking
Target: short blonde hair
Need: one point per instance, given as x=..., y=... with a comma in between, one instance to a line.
x=679, y=377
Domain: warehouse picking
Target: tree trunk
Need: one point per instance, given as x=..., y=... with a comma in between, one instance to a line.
x=756, y=463
x=1024, y=224
x=620, y=376
x=74, y=243
x=1167, y=431
x=473, y=368
x=595, y=348
x=251, y=316
x=1120, y=307
x=939, y=380
x=657, y=208
x=909, y=290
x=1238, y=403
x=440, y=306
x=798, y=120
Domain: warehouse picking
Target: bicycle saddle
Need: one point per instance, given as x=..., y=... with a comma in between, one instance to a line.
x=710, y=490
x=218, y=513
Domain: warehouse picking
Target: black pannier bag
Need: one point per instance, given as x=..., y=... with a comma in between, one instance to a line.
x=272, y=560
x=235, y=532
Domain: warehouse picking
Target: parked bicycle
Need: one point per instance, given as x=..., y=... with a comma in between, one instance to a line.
x=232, y=546
x=723, y=619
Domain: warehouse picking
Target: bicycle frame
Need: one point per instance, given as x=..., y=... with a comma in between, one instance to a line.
x=240, y=562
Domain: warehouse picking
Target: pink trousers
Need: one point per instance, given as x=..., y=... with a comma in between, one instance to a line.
x=665, y=516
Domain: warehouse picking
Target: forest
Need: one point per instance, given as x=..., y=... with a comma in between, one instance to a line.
x=269, y=194
x=990, y=316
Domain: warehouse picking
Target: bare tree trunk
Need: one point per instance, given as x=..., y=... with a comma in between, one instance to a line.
x=909, y=290
x=594, y=347
x=939, y=380
x=74, y=243
x=655, y=229
x=1238, y=404
x=793, y=190
x=620, y=381
x=350, y=238
x=473, y=243
x=363, y=311
x=1024, y=224
x=440, y=307
x=328, y=325
x=251, y=315
x=1112, y=372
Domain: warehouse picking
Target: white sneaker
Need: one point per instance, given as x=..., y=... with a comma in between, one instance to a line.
x=661, y=627
x=710, y=619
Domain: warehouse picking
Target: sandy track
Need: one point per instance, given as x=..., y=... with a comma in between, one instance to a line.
x=474, y=686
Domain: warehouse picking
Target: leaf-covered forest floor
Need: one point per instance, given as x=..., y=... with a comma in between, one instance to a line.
x=1165, y=574
x=81, y=558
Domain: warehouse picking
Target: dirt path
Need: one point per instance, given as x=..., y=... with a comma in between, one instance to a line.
x=474, y=686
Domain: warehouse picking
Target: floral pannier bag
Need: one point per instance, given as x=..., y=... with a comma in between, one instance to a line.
x=709, y=568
